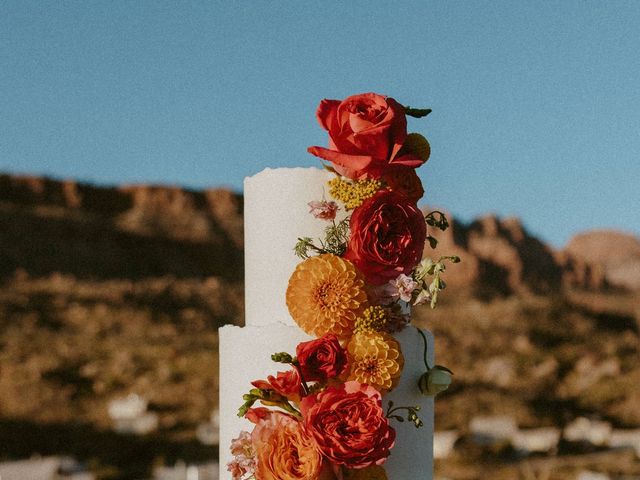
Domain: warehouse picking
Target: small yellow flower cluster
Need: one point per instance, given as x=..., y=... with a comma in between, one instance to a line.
x=373, y=319
x=353, y=193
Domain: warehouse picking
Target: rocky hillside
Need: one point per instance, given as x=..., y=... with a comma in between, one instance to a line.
x=616, y=253
x=127, y=232
x=111, y=291
x=146, y=231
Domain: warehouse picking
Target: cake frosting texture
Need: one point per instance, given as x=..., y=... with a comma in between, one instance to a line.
x=276, y=215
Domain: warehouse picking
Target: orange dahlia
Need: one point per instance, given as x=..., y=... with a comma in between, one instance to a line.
x=326, y=295
x=375, y=358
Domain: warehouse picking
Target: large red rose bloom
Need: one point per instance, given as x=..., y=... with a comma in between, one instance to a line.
x=349, y=425
x=388, y=232
x=366, y=133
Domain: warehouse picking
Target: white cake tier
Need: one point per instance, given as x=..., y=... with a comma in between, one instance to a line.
x=276, y=214
x=245, y=355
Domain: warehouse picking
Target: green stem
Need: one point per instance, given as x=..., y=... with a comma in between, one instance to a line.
x=426, y=348
x=317, y=249
x=290, y=408
x=303, y=382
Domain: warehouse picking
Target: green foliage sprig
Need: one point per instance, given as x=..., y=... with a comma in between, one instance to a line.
x=271, y=397
x=267, y=397
x=412, y=414
x=335, y=241
x=417, y=112
x=428, y=269
x=437, y=220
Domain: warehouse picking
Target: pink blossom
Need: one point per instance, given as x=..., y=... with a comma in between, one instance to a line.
x=242, y=444
x=236, y=469
x=323, y=210
x=244, y=461
x=403, y=286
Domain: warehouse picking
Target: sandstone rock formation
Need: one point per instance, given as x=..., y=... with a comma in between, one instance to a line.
x=126, y=232
x=143, y=231
x=111, y=291
x=617, y=254
x=498, y=256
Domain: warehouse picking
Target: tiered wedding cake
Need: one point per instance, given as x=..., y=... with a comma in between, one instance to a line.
x=333, y=412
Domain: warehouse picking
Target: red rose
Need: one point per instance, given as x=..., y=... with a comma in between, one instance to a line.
x=321, y=359
x=366, y=133
x=286, y=384
x=388, y=232
x=349, y=425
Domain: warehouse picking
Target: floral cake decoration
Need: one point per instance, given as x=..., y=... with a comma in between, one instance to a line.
x=323, y=418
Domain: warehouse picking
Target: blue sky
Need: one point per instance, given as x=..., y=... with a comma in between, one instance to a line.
x=536, y=104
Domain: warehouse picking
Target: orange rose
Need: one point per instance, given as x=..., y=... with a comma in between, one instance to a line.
x=366, y=133
x=283, y=450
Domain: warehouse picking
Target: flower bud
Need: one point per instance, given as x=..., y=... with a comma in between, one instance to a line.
x=424, y=268
x=282, y=357
x=435, y=381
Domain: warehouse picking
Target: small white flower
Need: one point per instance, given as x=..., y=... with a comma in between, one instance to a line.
x=423, y=297
x=424, y=268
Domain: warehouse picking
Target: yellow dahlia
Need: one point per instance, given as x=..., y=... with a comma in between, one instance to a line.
x=326, y=295
x=375, y=358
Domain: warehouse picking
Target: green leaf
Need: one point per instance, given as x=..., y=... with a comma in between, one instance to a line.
x=282, y=357
x=433, y=242
x=242, y=411
x=417, y=112
x=437, y=219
